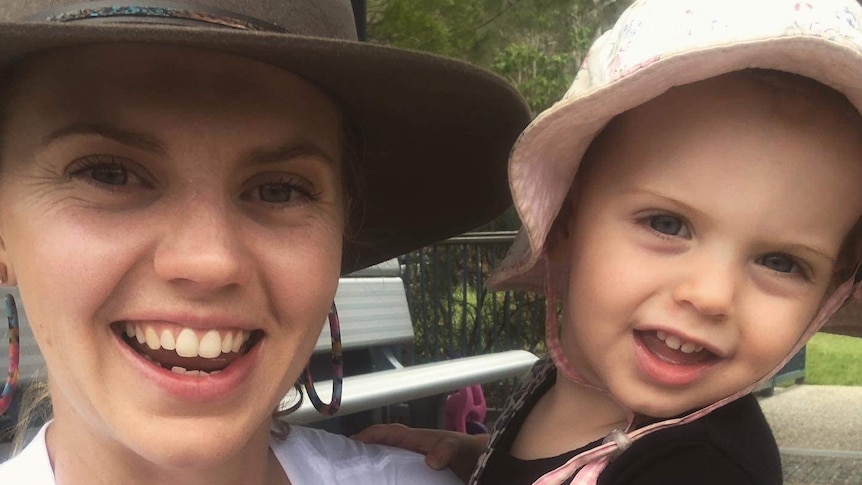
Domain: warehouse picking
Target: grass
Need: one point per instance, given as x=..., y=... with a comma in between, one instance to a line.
x=834, y=360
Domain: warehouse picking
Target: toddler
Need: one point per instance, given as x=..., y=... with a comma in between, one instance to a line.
x=693, y=203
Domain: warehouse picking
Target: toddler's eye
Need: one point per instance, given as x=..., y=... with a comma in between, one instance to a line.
x=779, y=262
x=669, y=225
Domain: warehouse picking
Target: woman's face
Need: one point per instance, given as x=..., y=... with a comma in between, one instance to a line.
x=186, y=199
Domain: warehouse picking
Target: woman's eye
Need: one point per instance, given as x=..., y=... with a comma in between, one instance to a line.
x=780, y=263
x=104, y=170
x=279, y=192
x=669, y=225
x=275, y=193
x=114, y=175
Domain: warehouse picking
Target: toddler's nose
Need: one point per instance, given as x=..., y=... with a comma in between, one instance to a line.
x=709, y=286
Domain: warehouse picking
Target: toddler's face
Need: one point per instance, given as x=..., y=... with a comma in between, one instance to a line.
x=705, y=232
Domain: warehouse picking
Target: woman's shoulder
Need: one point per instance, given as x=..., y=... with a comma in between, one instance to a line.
x=311, y=455
x=30, y=467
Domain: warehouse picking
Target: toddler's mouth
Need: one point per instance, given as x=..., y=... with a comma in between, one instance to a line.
x=185, y=350
x=673, y=350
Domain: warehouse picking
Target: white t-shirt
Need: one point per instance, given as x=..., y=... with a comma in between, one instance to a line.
x=309, y=457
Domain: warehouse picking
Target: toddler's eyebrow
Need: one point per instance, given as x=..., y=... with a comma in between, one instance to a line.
x=644, y=191
x=125, y=137
x=817, y=251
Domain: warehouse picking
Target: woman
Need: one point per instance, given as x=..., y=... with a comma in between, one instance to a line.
x=180, y=188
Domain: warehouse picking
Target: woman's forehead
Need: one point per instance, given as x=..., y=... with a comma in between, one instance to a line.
x=147, y=89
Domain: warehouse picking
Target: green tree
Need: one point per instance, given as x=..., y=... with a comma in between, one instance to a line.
x=535, y=44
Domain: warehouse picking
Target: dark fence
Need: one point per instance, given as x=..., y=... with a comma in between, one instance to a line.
x=454, y=315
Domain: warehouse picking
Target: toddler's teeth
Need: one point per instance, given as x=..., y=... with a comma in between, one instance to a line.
x=688, y=347
x=167, y=340
x=152, y=338
x=661, y=335
x=215, y=372
x=139, y=334
x=673, y=342
x=178, y=370
x=130, y=330
x=187, y=343
x=210, y=345
x=227, y=342
x=698, y=348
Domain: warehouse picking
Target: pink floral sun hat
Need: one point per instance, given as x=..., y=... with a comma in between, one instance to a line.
x=654, y=46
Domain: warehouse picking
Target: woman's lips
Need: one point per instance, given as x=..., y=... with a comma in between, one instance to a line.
x=661, y=362
x=197, y=379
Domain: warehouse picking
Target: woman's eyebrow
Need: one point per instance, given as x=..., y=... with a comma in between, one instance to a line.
x=125, y=137
x=290, y=151
x=135, y=139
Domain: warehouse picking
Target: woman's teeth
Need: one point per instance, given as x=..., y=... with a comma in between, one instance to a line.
x=187, y=342
x=199, y=373
x=675, y=343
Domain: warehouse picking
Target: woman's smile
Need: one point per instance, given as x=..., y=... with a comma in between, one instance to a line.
x=186, y=350
x=187, y=373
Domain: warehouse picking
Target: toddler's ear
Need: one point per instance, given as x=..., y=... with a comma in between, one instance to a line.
x=558, y=242
x=558, y=245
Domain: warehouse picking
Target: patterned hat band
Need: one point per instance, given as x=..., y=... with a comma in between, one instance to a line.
x=156, y=12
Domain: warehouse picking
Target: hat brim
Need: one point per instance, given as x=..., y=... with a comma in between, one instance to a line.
x=546, y=158
x=436, y=132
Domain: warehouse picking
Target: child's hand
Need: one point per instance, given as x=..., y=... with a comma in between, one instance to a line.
x=458, y=451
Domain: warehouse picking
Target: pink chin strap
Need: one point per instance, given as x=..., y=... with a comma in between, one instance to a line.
x=617, y=441
x=587, y=466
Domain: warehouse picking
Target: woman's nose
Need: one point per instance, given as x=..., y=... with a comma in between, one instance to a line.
x=709, y=286
x=201, y=247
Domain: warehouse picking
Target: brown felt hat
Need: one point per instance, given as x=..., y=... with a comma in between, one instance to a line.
x=435, y=133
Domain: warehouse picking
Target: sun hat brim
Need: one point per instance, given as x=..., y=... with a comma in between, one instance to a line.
x=436, y=132
x=545, y=159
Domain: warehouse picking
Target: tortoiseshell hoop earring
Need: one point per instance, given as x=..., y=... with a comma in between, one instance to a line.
x=14, y=355
x=337, y=371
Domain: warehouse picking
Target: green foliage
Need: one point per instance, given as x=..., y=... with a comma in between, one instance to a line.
x=540, y=77
x=833, y=360
x=535, y=44
x=445, y=27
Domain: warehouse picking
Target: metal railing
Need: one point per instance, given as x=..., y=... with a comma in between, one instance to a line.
x=454, y=315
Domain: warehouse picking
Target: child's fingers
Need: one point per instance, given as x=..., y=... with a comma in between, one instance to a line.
x=441, y=453
x=381, y=434
x=397, y=435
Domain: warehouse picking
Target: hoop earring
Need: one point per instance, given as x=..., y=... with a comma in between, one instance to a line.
x=14, y=355
x=337, y=370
